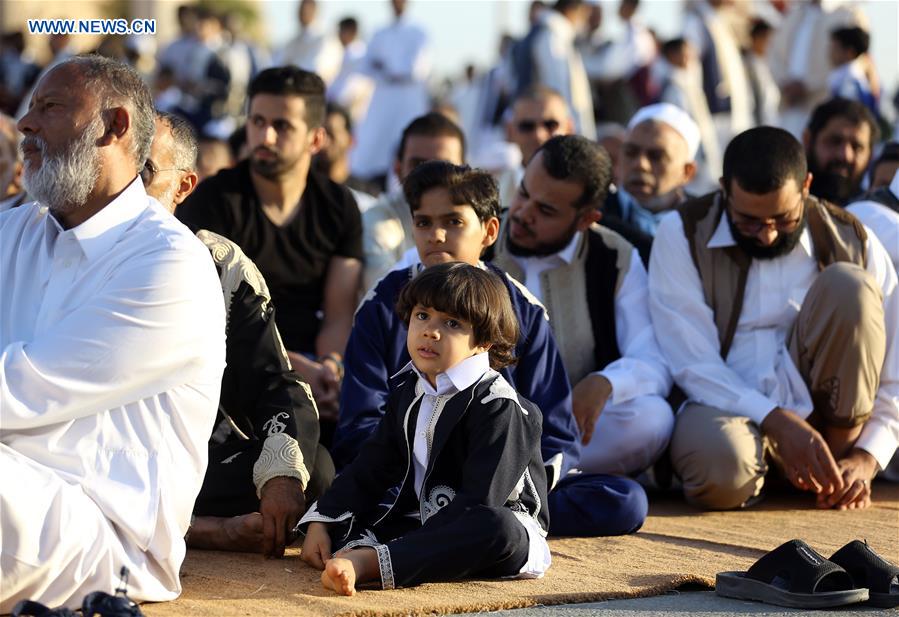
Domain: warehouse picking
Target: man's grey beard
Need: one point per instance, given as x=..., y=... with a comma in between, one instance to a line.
x=65, y=178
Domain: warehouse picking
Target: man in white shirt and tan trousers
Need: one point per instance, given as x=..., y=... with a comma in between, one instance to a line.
x=112, y=347
x=778, y=314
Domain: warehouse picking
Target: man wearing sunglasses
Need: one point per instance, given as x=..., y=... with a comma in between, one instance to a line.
x=535, y=116
x=778, y=315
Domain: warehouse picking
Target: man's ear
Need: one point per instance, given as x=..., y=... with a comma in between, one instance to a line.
x=590, y=216
x=319, y=140
x=806, y=139
x=807, y=185
x=119, y=121
x=188, y=183
x=491, y=229
x=689, y=171
x=397, y=170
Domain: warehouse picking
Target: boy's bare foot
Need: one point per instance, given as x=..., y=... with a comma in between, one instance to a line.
x=238, y=533
x=342, y=572
x=340, y=575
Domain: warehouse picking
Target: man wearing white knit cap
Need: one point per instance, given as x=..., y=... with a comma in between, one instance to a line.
x=656, y=162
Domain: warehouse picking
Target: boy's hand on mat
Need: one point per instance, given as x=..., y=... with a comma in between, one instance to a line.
x=281, y=504
x=858, y=468
x=805, y=455
x=316, y=546
x=589, y=398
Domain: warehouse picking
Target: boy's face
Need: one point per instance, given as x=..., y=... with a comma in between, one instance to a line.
x=438, y=341
x=447, y=232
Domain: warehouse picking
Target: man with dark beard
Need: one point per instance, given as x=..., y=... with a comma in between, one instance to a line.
x=112, y=336
x=301, y=229
x=778, y=314
x=593, y=285
x=838, y=143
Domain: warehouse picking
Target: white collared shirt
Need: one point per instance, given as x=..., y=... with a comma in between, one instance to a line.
x=641, y=369
x=113, y=346
x=536, y=265
x=450, y=383
x=759, y=374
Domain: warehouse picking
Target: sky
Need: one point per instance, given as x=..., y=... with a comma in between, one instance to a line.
x=468, y=31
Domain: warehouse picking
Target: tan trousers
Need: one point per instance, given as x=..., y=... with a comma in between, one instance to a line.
x=838, y=344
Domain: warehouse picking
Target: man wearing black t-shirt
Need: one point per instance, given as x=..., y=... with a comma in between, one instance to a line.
x=303, y=231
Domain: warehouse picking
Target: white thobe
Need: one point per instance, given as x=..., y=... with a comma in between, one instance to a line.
x=397, y=60
x=352, y=89
x=314, y=50
x=113, y=345
x=559, y=66
x=734, y=81
x=636, y=423
x=759, y=374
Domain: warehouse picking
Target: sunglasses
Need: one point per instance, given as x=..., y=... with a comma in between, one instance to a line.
x=150, y=170
x=529, y=126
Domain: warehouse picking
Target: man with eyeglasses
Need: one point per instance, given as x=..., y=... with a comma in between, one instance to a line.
x=778, y=315
x=265, y=462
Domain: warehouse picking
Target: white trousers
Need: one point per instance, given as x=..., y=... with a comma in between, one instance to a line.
x=55, y=544
x=629, y=437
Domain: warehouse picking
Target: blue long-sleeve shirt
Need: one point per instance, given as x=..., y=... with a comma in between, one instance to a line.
x=377, y=350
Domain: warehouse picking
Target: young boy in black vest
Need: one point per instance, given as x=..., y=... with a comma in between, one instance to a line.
x=458, y=440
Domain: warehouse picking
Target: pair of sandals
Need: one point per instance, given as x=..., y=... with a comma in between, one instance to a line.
x=797, y=576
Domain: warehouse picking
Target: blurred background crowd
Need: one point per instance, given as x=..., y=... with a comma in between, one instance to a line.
x=730, y=64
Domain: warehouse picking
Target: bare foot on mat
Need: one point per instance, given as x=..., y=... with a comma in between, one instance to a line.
x=340, y=575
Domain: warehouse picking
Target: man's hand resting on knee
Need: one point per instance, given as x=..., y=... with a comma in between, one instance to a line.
x=281, y=504
x=805, y=455
x=589, y=398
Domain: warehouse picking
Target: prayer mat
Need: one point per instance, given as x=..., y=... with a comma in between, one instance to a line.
x=677, y=546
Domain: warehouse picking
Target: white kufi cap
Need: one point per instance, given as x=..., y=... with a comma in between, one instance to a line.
x=676, y=118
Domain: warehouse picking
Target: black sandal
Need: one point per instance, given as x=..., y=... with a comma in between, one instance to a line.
x=793, y=575
x=868, y=569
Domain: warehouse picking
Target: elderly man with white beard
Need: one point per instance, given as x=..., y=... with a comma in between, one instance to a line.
x=111, y=352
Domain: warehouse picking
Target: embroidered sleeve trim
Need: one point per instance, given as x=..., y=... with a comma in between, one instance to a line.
x=386, y=566
x=314, y=516
x=280, y=456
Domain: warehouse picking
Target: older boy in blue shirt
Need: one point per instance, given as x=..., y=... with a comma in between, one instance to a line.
x=455, y=214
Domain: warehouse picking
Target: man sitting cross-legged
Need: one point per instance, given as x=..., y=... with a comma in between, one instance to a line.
x=265, y=461
x=594, y=287
x=454, y=212
x=778, y=315
x=111, y=352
